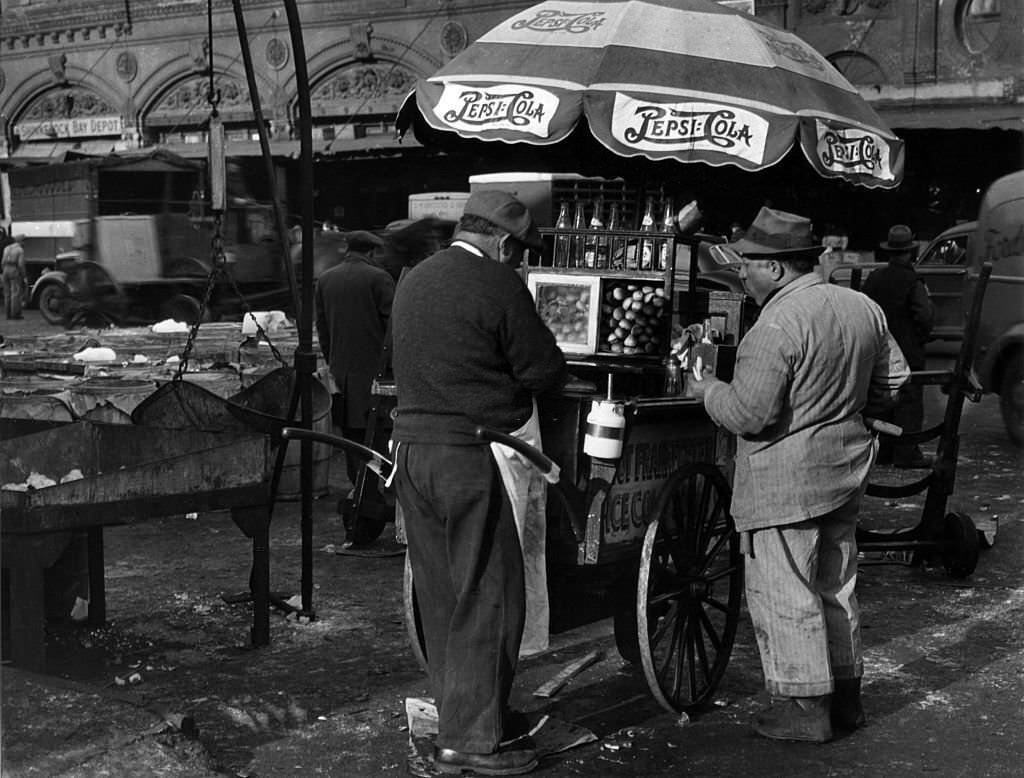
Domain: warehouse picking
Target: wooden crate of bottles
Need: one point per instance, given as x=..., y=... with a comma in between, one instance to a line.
x=597, y=235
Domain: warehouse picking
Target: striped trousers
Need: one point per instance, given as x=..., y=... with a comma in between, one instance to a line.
x=800, y=586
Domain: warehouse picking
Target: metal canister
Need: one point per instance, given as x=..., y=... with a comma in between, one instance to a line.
x=606, y=429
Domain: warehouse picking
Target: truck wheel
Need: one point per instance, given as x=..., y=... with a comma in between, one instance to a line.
x=1011, y=398
x=181, y=307
x=52, y=302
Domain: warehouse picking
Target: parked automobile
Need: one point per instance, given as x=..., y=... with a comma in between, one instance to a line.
x=942, y=265
x=999, y=356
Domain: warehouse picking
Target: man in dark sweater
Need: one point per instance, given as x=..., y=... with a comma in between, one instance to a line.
x=910, y=314
x=469, y=349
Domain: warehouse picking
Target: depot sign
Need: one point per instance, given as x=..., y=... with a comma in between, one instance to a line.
x=78, y=127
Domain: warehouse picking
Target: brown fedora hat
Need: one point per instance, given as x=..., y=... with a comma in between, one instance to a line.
x=900, y=238
x=777, y=232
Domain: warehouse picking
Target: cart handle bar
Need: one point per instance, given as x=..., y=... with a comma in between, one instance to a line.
x=350, y=446
x=551, y=472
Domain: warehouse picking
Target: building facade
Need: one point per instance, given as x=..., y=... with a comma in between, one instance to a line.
x=97, y=76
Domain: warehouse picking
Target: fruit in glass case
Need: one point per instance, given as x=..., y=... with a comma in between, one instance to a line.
x=565, y=308
x=635, y=320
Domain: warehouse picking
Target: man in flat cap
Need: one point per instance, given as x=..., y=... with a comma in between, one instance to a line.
x=353, y=302
x=469, y=349
x=818, y=358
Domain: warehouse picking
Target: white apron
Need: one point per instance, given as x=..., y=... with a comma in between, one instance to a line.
x=527, y=491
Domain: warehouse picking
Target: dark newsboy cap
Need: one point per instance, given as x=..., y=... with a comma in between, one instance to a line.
x=362, y=241
x=505, y=212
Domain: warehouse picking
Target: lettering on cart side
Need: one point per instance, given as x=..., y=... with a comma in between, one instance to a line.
x=626, y=512
x=560, y=21
x=643, y=470
x=647, y=460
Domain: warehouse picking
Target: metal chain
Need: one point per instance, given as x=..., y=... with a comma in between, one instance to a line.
x=220, y=268
x=260, y=332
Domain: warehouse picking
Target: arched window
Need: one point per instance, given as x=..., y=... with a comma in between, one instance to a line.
x=977, y=23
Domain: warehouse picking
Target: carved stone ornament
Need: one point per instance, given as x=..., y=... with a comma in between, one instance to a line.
x=454, y=38
x=189, y=98
x=127, y=66
x=68, y=103
x=277, y=53
x=365, y=83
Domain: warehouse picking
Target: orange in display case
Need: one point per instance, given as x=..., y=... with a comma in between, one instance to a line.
x=569, y=306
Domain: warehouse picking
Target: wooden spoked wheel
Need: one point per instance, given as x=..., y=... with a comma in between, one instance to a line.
x=413, y=625
x=689, y=588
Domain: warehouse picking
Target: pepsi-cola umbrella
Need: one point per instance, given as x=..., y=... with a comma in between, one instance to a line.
x=689, y=80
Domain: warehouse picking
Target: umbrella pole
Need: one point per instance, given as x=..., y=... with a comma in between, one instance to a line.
x=268, y=163
x=305, y=357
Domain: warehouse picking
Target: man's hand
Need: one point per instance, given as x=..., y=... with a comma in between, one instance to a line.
x=702, y=382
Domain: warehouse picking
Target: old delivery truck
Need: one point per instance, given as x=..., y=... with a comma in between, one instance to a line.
x=129, y=238
x=999, y=239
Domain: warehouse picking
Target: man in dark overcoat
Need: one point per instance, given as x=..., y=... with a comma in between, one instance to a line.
x=353, y=304
x=910, y=314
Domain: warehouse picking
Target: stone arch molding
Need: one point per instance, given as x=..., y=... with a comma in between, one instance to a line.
x=174, y=94
x=342, y=81
x=38, y=99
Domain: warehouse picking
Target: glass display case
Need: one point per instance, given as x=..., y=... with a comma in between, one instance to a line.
x=570, y=306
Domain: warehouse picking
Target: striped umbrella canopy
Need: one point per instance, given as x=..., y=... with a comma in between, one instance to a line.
x=689, y=80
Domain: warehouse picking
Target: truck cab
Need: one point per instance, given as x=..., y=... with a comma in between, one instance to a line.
x=999, y=353
x=130, y=238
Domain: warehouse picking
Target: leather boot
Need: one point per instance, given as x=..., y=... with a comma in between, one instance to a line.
x=796, y=718
x=847, y=712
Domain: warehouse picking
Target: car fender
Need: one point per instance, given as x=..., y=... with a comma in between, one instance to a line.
x=990, y=367
x=49, y=277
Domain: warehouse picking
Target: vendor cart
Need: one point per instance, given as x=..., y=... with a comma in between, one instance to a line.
x=639, y=532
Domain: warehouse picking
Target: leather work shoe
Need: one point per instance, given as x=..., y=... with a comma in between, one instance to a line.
x=509, y=761
x=796, y=718
x=847, y=711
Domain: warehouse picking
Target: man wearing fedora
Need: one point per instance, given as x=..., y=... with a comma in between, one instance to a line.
x=910, y=314
x=816, y=361
x=469, y=349
x=353, y=303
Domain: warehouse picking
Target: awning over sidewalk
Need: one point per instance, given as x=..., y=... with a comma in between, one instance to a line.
x=368, y=146
x=36, y=152
x=958, y=117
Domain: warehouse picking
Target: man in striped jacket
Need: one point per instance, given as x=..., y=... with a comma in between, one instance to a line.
x=817, y=360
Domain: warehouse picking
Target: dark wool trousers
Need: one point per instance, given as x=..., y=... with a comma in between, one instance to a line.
x=467, y=570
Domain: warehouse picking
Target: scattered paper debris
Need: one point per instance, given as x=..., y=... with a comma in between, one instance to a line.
x=170, y=325
x=96, y=354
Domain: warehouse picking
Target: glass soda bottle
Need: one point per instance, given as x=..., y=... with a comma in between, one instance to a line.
x=647, y=244
x=563, y=244
x=614, y=247
x=590, y=245
x=578, y=225
x=668, y=227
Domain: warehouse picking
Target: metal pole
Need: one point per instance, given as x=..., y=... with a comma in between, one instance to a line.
x=305, y=358
x=268, y=163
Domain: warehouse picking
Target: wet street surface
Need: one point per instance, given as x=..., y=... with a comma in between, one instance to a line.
x=170, y=686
